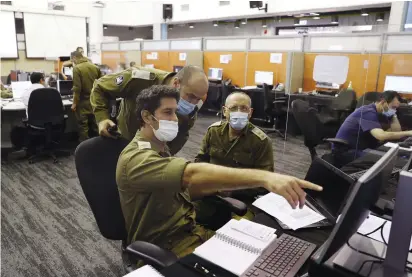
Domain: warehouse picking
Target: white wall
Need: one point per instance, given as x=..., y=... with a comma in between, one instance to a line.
x=137, y=13
x=73, y=8
x=254, y=28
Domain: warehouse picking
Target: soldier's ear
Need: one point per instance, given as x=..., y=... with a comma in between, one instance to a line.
x=146, y=116
x=250, y=112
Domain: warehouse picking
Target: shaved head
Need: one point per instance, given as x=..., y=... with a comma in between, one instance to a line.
x=193, y=83
x=236, y=96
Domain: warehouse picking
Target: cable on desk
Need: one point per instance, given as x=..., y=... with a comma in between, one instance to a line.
x=370, y=269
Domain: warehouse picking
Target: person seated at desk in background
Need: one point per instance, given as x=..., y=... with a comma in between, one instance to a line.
x=191, y=81
x=132, y=64
x=370, y=125
x=5, y=92
x=37, y=80
x=84, y=75
x=235, y=143
x=156, y=190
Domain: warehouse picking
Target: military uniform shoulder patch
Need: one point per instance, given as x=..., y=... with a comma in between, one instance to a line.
x=259, y=133
x=216, y=124
x=119, y=80
x=144, y=145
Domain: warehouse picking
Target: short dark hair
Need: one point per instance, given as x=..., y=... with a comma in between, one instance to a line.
x=132, y=64
x=78, y=48
x=76, y=54
x=389, y=95
x=36, y=77
x=149, y=99
x=186, y=72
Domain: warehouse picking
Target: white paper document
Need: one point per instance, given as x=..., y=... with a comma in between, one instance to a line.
x=149, y=66
x=182, y=56
x=152, y=56
x=225, y=59
x=264, y=77
x=372, y=223
x=276, y=58
x=278, y=207
x=144, y=271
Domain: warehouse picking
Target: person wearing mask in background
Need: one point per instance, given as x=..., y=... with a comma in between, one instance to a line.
x=156, y=190
x=132, y=64
x=235, y=143
x=37, y=80
x=191, y=82
x=369, y=126
x=84, y=75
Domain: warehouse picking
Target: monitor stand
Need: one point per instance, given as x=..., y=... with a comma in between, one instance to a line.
x=396, y=254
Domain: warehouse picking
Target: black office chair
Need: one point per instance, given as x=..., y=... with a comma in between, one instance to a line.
x=313, y=130
x=343, y=105
x=368, y=98
x=96, y=161
x=269, y=112
x=46, y=121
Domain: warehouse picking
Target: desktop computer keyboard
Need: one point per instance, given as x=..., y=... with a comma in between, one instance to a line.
x=283, y=258
x=407, y=143
x=357, y=175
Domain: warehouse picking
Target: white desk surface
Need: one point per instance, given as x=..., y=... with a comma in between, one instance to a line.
x=18, y=105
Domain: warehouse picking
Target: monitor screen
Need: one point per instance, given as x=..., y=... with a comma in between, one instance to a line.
x=362, y=197
x=68, y=71
x=177, y=68
x=336, y=185
x=402, y=84
x=65, y=87
x=263, y=77
x=215, y=73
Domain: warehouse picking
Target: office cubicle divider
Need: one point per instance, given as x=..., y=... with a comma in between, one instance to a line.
x=111, y=55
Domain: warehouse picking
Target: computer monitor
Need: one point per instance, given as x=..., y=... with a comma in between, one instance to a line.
x=177, y=68
x=402, y=84
x=263, y=77
x=68, y=71
x=65, y=87
x=362, y=197
x=215, y=74
x=336, y=185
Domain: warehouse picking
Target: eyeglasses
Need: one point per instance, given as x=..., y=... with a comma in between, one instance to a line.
x=244, y=109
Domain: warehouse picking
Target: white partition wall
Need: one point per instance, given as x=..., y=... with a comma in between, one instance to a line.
x=276, y=44
x=110, y=46
x=53, y=35
x=8, y=48
x=186, y=44
x=344, y=43
x=161, y=45
x=225, y=44
x=398, y=43
x=129, y=45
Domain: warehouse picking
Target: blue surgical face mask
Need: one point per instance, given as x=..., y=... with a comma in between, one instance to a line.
x=238, y=120
x=184, y=107
x=390, y=112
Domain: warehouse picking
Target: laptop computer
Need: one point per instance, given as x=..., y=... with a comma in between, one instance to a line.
x=336, y=186
x=395, y=171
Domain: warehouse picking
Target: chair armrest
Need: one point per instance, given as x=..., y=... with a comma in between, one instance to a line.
x=237, y=206
x=151, y=254
x=337, y=141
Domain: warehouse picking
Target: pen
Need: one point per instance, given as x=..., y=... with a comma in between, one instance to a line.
x=199, y=269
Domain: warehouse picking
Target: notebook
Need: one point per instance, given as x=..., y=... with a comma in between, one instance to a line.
x=144, y=271
x=237, y=245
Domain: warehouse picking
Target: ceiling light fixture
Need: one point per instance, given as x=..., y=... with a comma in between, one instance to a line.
x=170, y=26
x=191, y=25
x=315, y=14
x=334, y=19
x=215, y=23
x=244, y=21
x=380, y=17
x=264, y=24
x=105, y=27
x=237, y=24
x=316, y=17
x=364, y=13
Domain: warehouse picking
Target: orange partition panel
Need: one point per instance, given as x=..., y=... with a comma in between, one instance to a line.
x=162, y=61
x=258, y=61
x=234, y=70
x=395, y=64
x=113, y=58
x=174, y=60
x=363, y=79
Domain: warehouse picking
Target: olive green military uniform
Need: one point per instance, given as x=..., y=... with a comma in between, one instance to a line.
x=252, y=149
x=84, y=75
x=155, y=207
x=5, y=93
x=127, y=85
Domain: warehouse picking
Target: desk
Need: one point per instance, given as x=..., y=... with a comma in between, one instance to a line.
x=12, y=113
x=314, y=100
x=314, y=235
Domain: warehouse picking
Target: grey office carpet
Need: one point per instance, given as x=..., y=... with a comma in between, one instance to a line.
x=47, y=228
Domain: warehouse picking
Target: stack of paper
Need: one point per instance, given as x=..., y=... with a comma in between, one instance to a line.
x=278, y=207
